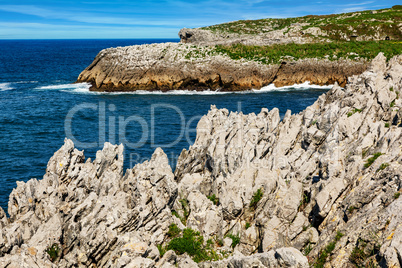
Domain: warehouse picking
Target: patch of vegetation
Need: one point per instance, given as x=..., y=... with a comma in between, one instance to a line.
x=341, y=27
x=308, y=249
x=337, y=26
x=386, y=125
x=54, y=252
x=256, y=198
x=214, y=199
x=396, y=195
x=248, y=225
x=191, y=242
x=182, y=219
x=314, y=122
x=383, y=166
x=275, y=54
x=360, y=254
x=162, y=250
x=173, y=230
x=355, y=110
x=372, y=159
x=320, y=262
x=305, y=199
x=235, y=239
x=186, y=210
x=392, y=104
x=351, y=209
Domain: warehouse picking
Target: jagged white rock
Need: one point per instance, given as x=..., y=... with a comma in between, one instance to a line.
x=333, y=168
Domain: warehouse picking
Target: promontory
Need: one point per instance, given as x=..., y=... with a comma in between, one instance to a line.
x=245, y=55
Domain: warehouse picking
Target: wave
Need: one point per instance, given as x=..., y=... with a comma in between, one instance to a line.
x=83, y=88
x=77, y=88
x=304, y=86
x=5, y=86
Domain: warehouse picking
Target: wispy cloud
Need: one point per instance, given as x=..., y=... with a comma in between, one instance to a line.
x=87, y=17
x=156, y=18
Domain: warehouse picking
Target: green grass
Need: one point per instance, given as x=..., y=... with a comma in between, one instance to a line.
x=320, y=262
x=248, y=225
x=307, y=249
x=235, y=239
x=214, y=199
x=362, y=252
x=383, y=166
x=256, y=198
x=275, y=54
x=186, y=210
x=54, y=252
x=396, y=195
x=337, y=26
x=192, y=243
x=355, y=110
x=173, y=230
x=372, y=159
x=305, y=199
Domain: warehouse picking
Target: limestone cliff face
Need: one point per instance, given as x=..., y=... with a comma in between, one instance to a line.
x=328, y=178
x=171, y=66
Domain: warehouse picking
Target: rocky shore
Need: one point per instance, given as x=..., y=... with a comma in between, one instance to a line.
x=320, y=187
x=172, y=66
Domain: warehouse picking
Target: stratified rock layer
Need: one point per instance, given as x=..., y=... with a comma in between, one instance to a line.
x=330, y=179
x=171, y=66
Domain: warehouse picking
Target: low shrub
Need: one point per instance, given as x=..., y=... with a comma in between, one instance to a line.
x=54, y=252
x=256, y=198
x=235, y=239
x=372, y=159
x=173, y=230
x=214, y=199
x=191, y=242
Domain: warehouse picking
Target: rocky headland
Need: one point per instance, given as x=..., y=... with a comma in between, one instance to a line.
x=173, y=66
x=238, y=55
x=321, y=187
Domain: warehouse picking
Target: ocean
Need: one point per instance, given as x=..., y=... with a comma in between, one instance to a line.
x=40, y=105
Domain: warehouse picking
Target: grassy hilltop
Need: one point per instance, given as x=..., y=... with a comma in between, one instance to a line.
x=355, y=36
x=340, y=27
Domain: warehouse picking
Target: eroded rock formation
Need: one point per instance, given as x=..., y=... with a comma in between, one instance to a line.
x=171, y=66
x=326, y=180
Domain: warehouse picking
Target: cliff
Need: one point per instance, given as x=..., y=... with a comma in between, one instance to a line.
x=171, y=66
x=244, y=55
x=253, y=191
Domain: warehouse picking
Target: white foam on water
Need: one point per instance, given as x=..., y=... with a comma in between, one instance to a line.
x=79, y=87
x=27, y=82
x=304, y=86
x=83, y=88
x=5, y=86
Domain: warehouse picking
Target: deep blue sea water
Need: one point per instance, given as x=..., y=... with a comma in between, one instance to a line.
x=39, y=107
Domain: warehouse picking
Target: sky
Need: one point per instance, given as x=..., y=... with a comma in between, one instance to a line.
x=126, y=19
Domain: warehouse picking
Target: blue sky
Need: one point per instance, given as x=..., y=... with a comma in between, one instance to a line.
x=86, y=19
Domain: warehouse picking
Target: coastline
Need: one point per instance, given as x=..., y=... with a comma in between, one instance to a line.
x=170, y=66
